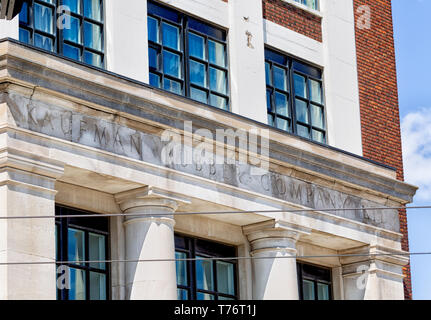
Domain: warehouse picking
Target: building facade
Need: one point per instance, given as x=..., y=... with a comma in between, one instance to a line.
x=205, y=150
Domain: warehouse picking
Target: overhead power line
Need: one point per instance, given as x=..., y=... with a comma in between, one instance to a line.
x=371, y=255
x=207, y=213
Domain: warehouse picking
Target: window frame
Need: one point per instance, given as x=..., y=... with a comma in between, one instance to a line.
x=63, y=225
x=58, y=37
x=291, y=70
x=184, y=53
x=314, y=278
x=194, y=248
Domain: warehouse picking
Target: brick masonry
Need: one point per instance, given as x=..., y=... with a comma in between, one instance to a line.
x=294, y=18
x=378, y=94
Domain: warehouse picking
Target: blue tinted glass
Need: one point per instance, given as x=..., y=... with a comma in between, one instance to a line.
x=93, y=59
x=301, y=111
x=72, y=34
x=43, y=42
x=97, y=286
x=182, y=294
x=43, y=18
x=24, y=35
x=153, y=58
x=314, y=72
x=283, y=124
x=23, y=15
x=270, y=120
x=317, y=116
x=216, y=53
x=71, y=52
x=268, y=74
x=279, y=78
x=218, y=102
x=204, y=274
x=302, y=131
x=207, y=29
x=92, y=36
x=171, y=37
x=300, y=85
x=204, y=296
x=73, y=5
x=77, y=284
x=172, y=86
x=197, y=73
x=171, y=64
x=75, y=245
x=154, y=80
x=92, y=9
x=153, y=30
x=318, y=136
x=181, y=268
x=218, y=80
x=198, y=95
x=196, y=46
x=281, y=104
x=163, y=12
x=276, y=57
x=268, y=100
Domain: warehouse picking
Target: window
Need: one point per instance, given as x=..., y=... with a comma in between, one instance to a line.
x=313, y=4
x=187, y=56
x=204, y=279
x=76, y=34
x=294, y=96
x=314, y=282
x=83, y=239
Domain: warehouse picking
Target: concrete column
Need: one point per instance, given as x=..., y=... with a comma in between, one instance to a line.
x=149, y=236
x=274, y=278
x=27, y=188
x=373, y=277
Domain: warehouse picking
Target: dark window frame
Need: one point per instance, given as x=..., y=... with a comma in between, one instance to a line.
x=294, y=66
x=184, y=30
x=57, y=36
x=196, y=247
x=316, y=274
x=93, y=225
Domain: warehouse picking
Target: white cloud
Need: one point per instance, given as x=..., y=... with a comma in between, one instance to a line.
x=416, y=135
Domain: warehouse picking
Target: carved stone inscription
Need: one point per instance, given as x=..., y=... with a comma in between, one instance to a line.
x=107, y=135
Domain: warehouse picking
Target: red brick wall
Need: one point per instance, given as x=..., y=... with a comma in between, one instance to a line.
x=292, y=17
x=378, y=94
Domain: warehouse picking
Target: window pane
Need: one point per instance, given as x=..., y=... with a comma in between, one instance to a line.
x=270, y=120
x=301, y=111
x=93, y=59
x=92, y=36
x=92, y=9
x=279, y=78
x=268, y=74
x=97, y=250
x=317, y=116
x=225, y=278
x=204, y=274
x=268, y=100
x=43, y=42
x=153, y=58
x=43, y=18
x=316, y=91
x=308, y=290
x=154, y=80
x=198, y=74
x=181, y=267
x=218, y=80
x=198, y=95
x=196, y=46
x=225, y=298
x=153, y=30
x=73, y=33
x=172, y=86
x=73, y=5
x=171, y=64
x=76, y=245
x=302, y=131
x=171, y=36
x=216, y=52
x=318, y=136
x=77, y=284
x=97, y=286
x=182, y=294
x=323, y=291
x=281, y=105
x=24, y=35
x=71, y=52
x=218, y=102
x=204, y=296
x=23, y=15
x=283, y=124
x=300, y=86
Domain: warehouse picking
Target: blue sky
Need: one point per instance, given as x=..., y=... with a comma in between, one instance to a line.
x=412, y=27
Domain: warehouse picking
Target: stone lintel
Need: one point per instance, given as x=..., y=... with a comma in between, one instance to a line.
x=373, y=254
